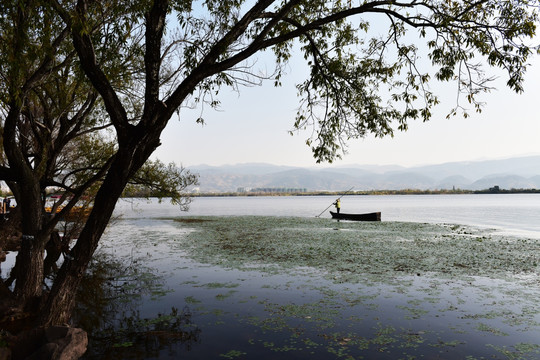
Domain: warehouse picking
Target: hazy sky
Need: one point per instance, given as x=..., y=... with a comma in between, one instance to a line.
x=252, y=127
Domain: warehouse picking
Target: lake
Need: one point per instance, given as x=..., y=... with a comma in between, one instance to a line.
x=441, y=277
x=263, y=277
x=517, y=214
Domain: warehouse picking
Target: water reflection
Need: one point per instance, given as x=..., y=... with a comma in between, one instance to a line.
x=161, y=290
x=108, y=308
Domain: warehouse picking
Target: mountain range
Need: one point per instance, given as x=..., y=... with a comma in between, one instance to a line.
x=513, y=173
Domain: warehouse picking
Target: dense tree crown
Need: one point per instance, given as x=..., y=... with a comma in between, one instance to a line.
x=87, y=87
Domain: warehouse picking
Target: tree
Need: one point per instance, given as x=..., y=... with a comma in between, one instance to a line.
x=35, y=123
x=163, y=54
x=55, y=137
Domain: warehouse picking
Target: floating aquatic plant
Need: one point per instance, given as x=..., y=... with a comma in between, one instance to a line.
x=299, y=287
x=348, y=251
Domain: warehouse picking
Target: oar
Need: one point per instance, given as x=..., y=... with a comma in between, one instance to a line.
x=345, y=193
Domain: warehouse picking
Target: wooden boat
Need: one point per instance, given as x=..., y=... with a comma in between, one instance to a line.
x=374, y=216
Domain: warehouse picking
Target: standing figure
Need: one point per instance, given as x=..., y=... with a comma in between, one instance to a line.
x=338, y=205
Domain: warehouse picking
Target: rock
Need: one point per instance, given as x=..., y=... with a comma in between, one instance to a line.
x=60, y=343
x=72, y=342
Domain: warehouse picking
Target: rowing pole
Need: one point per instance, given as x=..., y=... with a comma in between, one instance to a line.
x=345, y=193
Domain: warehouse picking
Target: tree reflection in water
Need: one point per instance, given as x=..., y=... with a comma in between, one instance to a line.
x=110, y=296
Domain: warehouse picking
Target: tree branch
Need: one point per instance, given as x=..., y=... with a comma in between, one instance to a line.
x=155, y=24
x=85, y=49
x=207, y=66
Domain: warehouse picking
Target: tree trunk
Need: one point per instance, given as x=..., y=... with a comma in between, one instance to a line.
x=61, y=299
x=29, y=262
x=29, y=269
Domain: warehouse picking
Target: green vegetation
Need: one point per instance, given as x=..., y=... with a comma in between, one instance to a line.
x=469, y=280
x=347, y=251
x=311, y=287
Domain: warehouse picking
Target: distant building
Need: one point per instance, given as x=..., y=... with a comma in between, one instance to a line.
x=275, y=190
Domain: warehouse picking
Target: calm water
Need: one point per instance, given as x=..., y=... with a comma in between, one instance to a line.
x=517, y=214
x=147, y=299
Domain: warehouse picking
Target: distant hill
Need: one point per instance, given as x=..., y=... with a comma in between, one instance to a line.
x=519, y=172
x=504, y=182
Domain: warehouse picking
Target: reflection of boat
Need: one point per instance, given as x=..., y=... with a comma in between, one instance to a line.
x=374, y=216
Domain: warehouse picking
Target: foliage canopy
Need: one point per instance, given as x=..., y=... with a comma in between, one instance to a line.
x=364, y=79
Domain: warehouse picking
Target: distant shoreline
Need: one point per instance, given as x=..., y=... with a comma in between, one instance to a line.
x=369, y=192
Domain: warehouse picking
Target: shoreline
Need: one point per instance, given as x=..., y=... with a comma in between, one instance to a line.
x=366, y=193
x=279, y=192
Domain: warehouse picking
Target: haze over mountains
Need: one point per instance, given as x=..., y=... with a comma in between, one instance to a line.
x=513, y=173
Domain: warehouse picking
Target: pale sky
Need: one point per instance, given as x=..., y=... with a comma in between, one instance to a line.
x=252, y=127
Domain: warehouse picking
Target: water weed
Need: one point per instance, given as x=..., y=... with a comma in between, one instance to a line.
x=257, y=287
x=347, y=251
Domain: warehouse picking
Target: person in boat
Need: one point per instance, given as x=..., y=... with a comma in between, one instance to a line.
x=338, y=205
